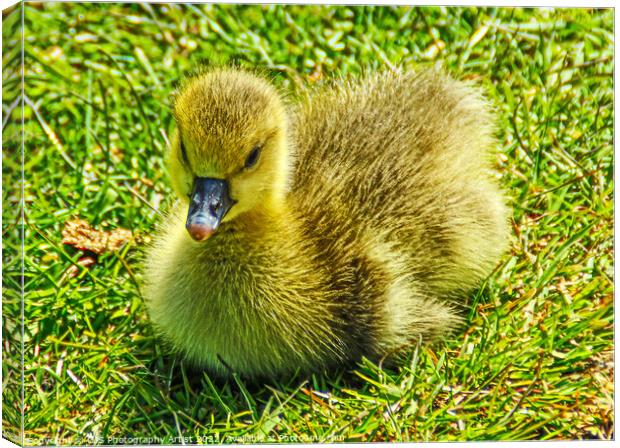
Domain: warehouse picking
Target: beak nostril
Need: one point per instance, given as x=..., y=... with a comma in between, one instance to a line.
x=213, y=208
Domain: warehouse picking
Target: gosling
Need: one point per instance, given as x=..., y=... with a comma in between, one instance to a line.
x=307, y=236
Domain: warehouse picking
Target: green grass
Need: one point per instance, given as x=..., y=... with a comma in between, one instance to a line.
x=534, y=360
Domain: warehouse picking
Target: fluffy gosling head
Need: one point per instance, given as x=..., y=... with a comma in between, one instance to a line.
x=228, y=155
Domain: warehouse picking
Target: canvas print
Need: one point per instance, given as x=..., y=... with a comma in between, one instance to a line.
x=230, y=224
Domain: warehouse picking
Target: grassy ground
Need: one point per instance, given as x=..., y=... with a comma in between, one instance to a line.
x=535, y=359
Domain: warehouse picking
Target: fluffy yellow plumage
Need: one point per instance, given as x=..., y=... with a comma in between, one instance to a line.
x=310, y=235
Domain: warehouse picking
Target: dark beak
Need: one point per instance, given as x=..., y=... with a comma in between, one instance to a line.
x=209, y=202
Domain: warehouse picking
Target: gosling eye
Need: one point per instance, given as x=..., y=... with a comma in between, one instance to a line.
x=185, y=160
x=253, y=157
